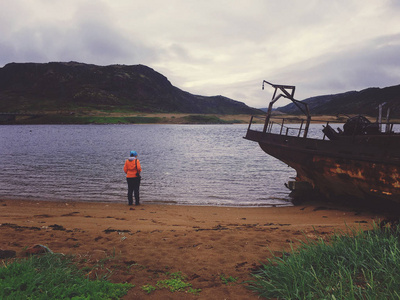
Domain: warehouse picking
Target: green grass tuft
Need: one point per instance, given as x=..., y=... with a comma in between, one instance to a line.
x=53, y=276
x=227, y=279
x=360, y=265
x=174, y=283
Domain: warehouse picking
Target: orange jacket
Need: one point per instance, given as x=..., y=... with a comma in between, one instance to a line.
x=130, y=168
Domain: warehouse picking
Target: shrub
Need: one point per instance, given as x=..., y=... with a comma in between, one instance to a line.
x=360, y=265
x=53, y=276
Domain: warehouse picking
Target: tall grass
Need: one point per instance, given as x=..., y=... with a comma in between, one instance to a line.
x=356, y=265
x=53, y=277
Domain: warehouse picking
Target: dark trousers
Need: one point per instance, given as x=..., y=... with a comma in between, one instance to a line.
x=133, y=188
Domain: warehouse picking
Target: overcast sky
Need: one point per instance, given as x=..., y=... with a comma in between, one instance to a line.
x=216, y=47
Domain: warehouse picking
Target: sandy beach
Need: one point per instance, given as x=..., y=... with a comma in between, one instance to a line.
x=140, y=244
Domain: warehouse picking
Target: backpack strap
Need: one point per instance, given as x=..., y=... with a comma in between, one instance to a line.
x=137, y=171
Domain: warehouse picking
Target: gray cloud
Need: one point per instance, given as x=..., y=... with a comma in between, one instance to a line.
x=375, y=63
x=216, y=47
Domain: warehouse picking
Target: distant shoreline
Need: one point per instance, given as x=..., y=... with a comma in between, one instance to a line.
x=71, y=118
x=123, y=118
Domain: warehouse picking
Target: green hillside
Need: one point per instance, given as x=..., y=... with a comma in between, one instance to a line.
x=77, y=87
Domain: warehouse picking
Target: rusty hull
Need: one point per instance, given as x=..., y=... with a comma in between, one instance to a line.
x=365, y=167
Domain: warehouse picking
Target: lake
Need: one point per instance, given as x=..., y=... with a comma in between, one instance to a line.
x=182, y=164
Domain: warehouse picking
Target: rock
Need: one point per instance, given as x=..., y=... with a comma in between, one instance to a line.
x=38, y=249
x=7, y=254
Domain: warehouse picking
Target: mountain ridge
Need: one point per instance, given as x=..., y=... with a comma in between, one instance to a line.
x=75, y=86
x=364, y=102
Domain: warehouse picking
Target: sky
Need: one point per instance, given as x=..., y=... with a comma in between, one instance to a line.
x=216, y=47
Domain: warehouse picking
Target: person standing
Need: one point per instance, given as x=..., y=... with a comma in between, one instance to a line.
x=133, y=169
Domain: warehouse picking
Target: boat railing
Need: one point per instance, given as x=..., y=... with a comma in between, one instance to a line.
x=285, y=127
x=295, y=126
x=281, y=126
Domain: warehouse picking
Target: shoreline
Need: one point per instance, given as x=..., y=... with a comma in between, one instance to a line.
x=102, y=118
x=149, y=203
x=141, y=243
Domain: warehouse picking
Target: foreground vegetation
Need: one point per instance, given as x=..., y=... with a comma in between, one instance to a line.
x=53, y=276
x=354, y=265
x=359, y=265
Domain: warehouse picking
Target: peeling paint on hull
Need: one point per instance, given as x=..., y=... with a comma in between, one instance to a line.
x=356, y=178
x=354, y=169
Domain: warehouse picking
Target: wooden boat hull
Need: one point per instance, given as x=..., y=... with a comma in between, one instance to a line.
x=361, y=168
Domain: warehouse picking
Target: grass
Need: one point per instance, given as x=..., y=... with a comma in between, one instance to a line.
x=357, y=265
x=174, y=283
x=53, y=276
x=227, y=279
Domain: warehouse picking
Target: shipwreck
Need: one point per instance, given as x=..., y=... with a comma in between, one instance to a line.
x=360, y=161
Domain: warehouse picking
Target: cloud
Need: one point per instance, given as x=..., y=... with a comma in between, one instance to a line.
x=216, y=47
x=373, y=63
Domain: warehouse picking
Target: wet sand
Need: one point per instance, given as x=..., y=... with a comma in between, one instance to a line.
x=140, y=244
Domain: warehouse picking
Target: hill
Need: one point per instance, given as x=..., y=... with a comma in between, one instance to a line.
x=363, y=102
x=77, y=87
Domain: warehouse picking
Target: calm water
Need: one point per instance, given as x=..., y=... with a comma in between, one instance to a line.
x=183, y=164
